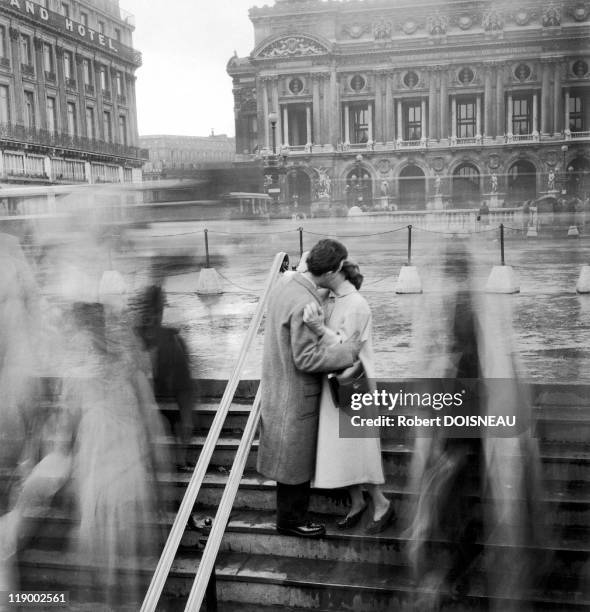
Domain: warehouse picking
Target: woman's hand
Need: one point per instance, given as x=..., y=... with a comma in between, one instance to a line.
x=313, y=317
x=350, y=373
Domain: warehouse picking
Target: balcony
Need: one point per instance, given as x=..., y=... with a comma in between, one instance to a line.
x=4, y=62
x=89, y=89
x=27, y=70
x=577, y=135
x=71, y=84
x=19, y=134
x=122, y=100
x=106, y=95
x=50, y=76
x=534, y=137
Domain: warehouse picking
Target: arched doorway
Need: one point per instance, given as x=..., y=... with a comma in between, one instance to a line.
x=522, y=182
x=466, y=186
x=299, y=189
x=412, y=188
x=579, y=177
x=358, y=190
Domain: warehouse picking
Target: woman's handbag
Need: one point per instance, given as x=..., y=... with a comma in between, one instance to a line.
x=344, y=384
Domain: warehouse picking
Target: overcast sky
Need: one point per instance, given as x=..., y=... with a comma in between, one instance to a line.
x=182, y=87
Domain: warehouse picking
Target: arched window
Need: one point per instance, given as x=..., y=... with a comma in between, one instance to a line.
x=466, y=186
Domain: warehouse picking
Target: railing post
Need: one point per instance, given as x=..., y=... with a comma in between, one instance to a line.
x=409, y=245
x=502, y=243
x=211, y=591
x=300, y=230
x=207, y=263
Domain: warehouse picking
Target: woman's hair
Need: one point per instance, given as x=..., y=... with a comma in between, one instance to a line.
x=352, y=273
x=326, y=256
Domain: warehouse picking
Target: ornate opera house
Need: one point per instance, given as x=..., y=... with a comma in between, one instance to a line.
x=418, y=104
x=67, y=93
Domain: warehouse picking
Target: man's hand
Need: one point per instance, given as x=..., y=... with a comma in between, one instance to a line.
x=313, y=317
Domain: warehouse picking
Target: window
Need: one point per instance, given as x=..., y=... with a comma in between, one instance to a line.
x=84, y=19
x=576, y=110
x=118, y=34
x=65, y=9
x=47, y=58
x=413, y=121
x=108, y=130
x=87, y=69
x=466, y=119
x=25, y=46
x=51, y=115
x=297, y=124
x=72, y=123
x=359, y=120
x=521, y=119
x=252, y=132
x=2, y=41
x=103, y=79
x=123, y=130
x=29, y=109
x=68, y=65
x=119, y=81
x=4, y=105
x=101, y=27
x=90, y=122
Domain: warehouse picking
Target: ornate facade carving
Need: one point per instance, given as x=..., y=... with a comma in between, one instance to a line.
x=580, y=11
x=382, y=30
x=493, y=20
x=14, y=33
x=356, y=30
x=437, y=24
x=293, y=46
x=465, y=22
x=551, y=16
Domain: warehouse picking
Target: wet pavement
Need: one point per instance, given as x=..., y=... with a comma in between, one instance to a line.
x=551, y=322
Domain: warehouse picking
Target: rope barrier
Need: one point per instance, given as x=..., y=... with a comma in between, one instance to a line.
x=452, y=233
x=397, y=229
x=244, y=289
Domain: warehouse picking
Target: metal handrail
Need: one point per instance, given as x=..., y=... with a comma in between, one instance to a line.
x=167, y=558
x=207, y=562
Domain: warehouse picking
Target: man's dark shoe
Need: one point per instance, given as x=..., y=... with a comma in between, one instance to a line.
x=304, y=530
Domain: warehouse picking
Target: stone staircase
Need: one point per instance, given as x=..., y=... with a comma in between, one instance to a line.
x=259, y=570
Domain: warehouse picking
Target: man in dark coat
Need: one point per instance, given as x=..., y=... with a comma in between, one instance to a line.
x=294, y=360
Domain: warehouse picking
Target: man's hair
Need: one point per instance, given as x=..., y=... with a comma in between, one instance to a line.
x=326, y=256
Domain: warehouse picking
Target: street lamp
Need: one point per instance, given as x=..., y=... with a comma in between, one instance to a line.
x=273, y=118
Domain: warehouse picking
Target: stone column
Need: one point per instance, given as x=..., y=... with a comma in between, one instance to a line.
x=265, y=113
x=276, y=109
x=113, y=78
x=308, y=124
x=558, y=126
x=286, y=125
x=566, y=105
x=444, y=104
x=41, y=104
x=19, y=96
x=389, y=110
x=400, y=120
x=370, y=114
x=377, y=128
x=488, y=103
x=546, y=100
x=133, y=131
x=432, y=106
x=324, y=136
x=454, y=117
x=423, y=119
x=317, y=119
x=79, y=62
x=334, y=108
x=500, y=104
x=510, y=115
x=346, y=123
x=535, y=112
x=478, y=115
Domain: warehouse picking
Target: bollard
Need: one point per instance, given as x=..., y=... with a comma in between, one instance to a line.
x=207, y=260
x=573, y=232
x=502, y=278
x=532, y=232
x=409, y=245
x=209, y=282
x=300, y=230
x=583, y=285
x=409, y=280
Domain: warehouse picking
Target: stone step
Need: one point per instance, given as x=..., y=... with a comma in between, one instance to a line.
x=561, y=507
x=310, y=584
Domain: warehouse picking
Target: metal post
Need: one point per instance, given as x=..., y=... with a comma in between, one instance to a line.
x=502, y=243
x=207, y=262
x=211, y=590
x=300, y=230
x=409, y=245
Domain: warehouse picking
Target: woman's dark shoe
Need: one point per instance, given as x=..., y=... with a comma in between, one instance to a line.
x=351, y=520
x=378, y=526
